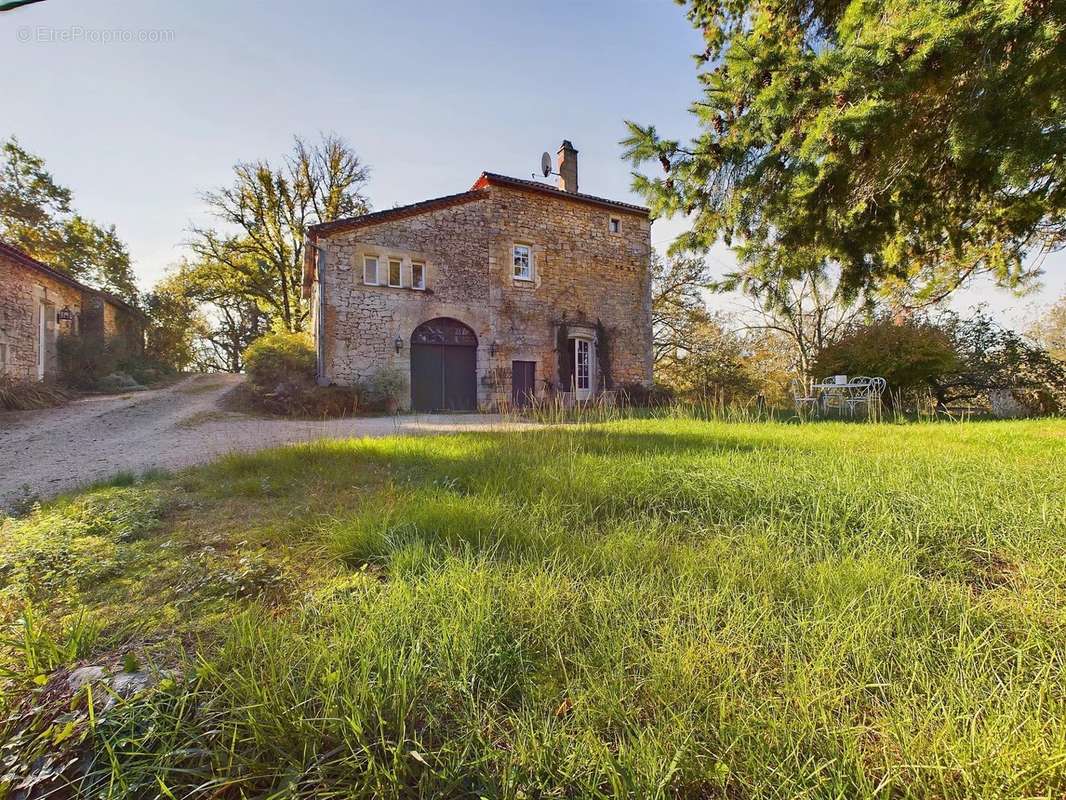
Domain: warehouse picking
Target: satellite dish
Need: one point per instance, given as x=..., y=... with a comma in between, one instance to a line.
x=546, y=164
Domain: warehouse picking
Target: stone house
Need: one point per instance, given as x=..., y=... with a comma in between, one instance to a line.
x=38, y=303
x=512, y=290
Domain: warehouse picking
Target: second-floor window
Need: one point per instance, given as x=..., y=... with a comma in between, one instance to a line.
x=394, y=272
x=523, y=262
x=418, y=276
x=370, y=270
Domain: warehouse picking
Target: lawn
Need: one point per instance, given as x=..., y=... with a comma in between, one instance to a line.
x=642, y=608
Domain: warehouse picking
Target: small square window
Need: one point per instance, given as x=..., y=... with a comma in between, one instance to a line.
x=615, y=225
x=394, y=272
x=370, y=270
x=523, y=262
x=418, y=276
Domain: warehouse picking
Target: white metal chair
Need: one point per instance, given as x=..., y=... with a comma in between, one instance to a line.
x=803, y=396
x=830, y=396
x=866, y=392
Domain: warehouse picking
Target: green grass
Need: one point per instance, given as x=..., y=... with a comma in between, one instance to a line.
x=642, y=608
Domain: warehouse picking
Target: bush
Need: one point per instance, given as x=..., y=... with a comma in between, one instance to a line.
x=909, y=355
x=105, y=364
x=637, y=395
x=281, y=371
x=280, y=358
x=999, y=368
x=85, y=360
x=118, y=382
x=299, y=398
x=387, y=388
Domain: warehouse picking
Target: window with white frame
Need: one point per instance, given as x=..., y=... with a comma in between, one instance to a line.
x=418, y=275
x=523, y=262
x=370, y=270
x=614, y=225
x=394, y=273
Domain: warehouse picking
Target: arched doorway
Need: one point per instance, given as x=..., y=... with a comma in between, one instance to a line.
x=443, y=366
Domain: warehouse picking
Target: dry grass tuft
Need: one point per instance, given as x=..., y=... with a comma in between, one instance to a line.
x=27, y=395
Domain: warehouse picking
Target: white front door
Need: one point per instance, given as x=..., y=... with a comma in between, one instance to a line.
x=42, y=339
x=582, y=368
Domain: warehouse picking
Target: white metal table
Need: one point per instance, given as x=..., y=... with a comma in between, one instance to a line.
x=848, y=393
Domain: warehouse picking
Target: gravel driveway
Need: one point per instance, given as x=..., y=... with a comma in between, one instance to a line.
x=58, y=449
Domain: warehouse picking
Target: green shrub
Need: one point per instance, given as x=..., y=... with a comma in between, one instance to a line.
x=117, y=382
x=105, y=364
x=909, y=355
x=281, y=371
x=637, y=395
x=85, y=360
x=143, y=370
x=387, y=388
x=280, y=358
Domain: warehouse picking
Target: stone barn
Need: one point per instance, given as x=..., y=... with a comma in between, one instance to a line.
x=38, y=303
x=510, y=291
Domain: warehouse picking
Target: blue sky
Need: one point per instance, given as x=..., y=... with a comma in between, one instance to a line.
x=429, y=93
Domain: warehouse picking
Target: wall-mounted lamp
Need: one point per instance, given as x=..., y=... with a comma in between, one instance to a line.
x=494, y=347
x=65, y=315
x=399, y=344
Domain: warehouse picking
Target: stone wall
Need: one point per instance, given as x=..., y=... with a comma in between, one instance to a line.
x=27, y=291
x=583, y=273
x=24, y=294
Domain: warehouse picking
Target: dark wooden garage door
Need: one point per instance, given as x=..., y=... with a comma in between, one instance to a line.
x=523, y=382
x=443, y=366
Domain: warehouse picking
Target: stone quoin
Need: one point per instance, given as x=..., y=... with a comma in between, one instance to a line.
x=511, y=290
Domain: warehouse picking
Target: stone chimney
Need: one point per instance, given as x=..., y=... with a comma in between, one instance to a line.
x=566, y=166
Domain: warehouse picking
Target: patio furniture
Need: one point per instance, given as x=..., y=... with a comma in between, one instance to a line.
x=803, y=396
x=862, y=393
x=840, y=392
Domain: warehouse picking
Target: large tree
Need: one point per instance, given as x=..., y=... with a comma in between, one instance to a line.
x=224, y=317
x=1049, y=329
x=678, y=308
x=914, y=143
x=36, y=216
x=265, y=214
x=804, y=311
x=176, y=324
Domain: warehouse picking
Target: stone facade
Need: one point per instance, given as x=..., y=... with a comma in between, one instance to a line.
x=590, y=273
x=37, y=304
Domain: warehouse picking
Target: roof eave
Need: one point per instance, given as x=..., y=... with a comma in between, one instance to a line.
x=391, y=214
x=492, y=178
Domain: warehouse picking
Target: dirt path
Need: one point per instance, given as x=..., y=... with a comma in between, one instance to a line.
x=58, y=449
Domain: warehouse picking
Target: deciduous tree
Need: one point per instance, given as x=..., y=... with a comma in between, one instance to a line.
x=265, y=214
x=176, y=324
x=36, y=216
x=805, y=310
x=1049, y=330
x=678, y=305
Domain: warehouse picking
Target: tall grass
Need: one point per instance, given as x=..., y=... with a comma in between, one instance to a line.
x=638, y=608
